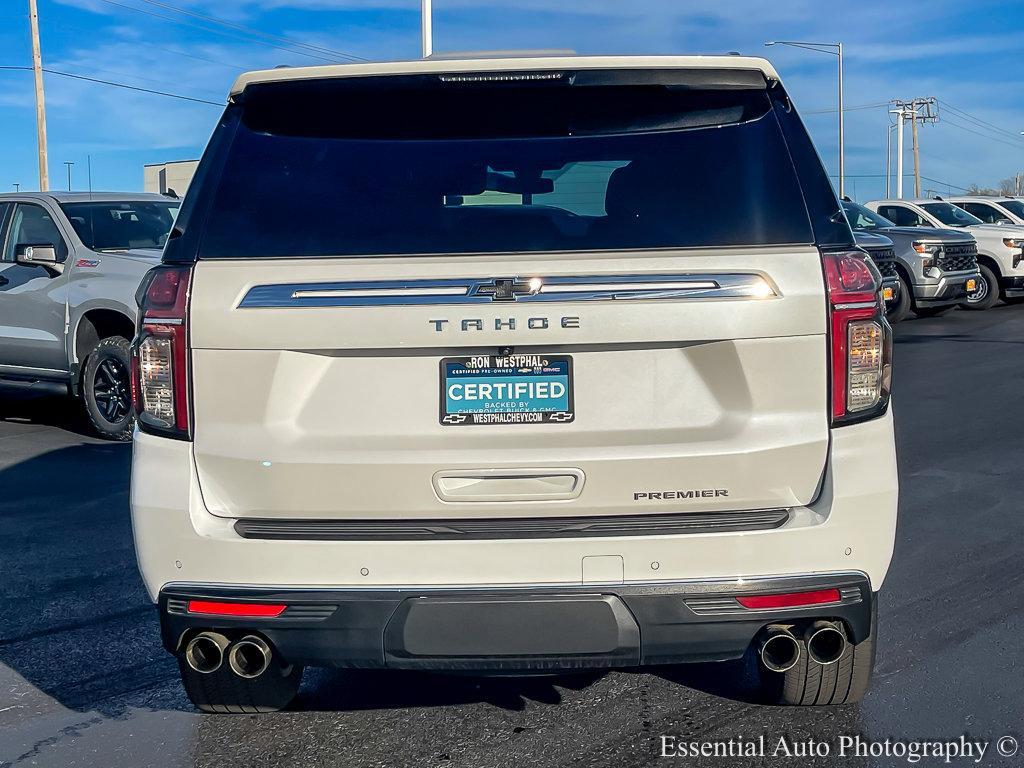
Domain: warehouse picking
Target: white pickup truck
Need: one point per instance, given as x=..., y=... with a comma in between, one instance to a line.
x=1000, y=247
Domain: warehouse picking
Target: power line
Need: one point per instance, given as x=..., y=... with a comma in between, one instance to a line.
x=987, y=137
x=114, y=84
x=250, y=30
x=846, y=109
x=81, y=28
x=247, y=38
x=980, y=122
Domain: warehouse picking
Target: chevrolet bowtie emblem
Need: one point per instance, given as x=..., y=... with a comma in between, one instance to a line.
x=508, y=288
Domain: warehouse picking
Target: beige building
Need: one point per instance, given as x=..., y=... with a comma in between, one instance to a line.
x=167, y=177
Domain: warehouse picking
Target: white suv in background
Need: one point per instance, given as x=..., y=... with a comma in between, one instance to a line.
x=1000, y=247
x=513, y=365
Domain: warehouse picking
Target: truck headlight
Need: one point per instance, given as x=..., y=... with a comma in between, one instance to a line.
x=1015, y=243
x=929, y=253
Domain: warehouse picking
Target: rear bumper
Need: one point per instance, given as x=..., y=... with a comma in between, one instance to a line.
x=849, y=527
x=534, y=629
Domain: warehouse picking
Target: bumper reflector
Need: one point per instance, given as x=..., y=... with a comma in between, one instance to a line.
x=790, y=599
x=244, y=610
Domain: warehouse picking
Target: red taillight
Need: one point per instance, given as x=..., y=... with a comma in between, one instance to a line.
x=789, y=599
x=245, y=610
x=160, y=360
x=860, y=339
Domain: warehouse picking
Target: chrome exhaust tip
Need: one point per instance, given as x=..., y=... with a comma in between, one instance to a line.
x=250, y=657
x=205, y=652
x=780, y=650
x=826, y=642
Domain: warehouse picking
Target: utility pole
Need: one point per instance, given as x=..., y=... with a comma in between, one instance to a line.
x=17, y=187
x=921, y=110
x=69, y=163
x=37, y=69
x=426, y=27
x=917, y=153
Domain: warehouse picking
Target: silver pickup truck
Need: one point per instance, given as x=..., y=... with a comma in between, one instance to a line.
x=937, y=268
x=70, y=264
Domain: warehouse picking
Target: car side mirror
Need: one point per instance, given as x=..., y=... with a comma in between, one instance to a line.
x=39, y=255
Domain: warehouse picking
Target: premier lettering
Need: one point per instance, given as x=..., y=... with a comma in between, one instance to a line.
x=704, y=493
x=502, y=390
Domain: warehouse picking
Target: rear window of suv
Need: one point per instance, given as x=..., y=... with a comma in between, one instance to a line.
x=122, y=225
x=334, y=167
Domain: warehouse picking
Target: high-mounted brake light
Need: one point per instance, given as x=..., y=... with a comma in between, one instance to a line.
x=160, y=373
x=860, y=338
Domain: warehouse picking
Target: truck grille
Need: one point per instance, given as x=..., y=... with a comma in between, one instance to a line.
x=885, y=260
x=957, y=258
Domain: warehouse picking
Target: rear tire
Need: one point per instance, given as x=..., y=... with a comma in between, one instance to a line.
x=810, y=684
x=987, y=294
x=106, y=389
x=225, y=693
x=900, y=309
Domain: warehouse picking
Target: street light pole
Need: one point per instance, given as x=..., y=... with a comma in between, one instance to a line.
x=427, y=27
x=888, y=162
x=836, y=50
x=69, y=163
x=899, y=153
x=842, y=131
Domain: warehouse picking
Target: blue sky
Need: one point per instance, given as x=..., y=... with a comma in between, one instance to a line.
x=965, y=53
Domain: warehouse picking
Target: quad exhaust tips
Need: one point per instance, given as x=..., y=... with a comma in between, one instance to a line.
x=780, y=650
x=205, y=652
x=826, y=642
x=250, y=657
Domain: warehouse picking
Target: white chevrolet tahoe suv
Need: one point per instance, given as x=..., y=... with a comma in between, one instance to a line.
x=513, y=365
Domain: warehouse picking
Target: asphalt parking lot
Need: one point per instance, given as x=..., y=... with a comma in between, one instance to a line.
x=84, y=681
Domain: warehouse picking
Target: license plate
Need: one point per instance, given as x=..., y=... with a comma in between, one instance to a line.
x=972, y=285
x=888, y=294
x=507, y=389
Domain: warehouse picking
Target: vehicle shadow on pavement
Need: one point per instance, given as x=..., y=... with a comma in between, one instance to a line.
x=64, y=413
x=77, y=624
x=352, y=690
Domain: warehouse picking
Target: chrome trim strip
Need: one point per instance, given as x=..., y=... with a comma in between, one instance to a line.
x=380, y=292
x=389, y=293
x=686, y=285
x=858, y=305
x=722, y=583
x=163, y=321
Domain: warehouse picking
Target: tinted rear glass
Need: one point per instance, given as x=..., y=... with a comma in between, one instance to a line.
x=119, y=226
x=862, y=218
x=950, y=215
x=1016, y=207
x=334, y=168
